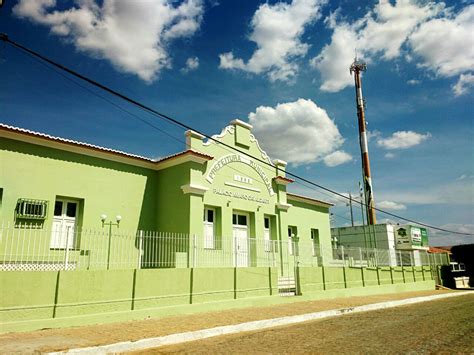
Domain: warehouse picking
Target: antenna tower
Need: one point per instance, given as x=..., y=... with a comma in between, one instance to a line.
x=357, y=67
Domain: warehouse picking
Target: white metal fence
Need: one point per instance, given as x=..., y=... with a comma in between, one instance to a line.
x=28, y=247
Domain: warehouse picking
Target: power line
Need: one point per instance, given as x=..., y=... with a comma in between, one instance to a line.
x=178, y=139
x=176, y=122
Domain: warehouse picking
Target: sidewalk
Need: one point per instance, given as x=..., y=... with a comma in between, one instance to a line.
x=78, y=337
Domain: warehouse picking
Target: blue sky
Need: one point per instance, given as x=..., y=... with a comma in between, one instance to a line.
x=282, y=65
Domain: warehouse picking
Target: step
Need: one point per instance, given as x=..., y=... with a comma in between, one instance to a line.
x=286, y=286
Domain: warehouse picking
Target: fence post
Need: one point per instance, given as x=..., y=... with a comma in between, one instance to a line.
x=140, y=249
x=66, y=256
x=343, y=259
x=321, y=253
x=194, y=250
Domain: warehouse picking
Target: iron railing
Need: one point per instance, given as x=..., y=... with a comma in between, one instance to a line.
x=31, y=247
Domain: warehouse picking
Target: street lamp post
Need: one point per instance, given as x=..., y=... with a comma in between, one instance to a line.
x=103, y=218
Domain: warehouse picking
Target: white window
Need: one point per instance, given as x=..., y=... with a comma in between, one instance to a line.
x=209, y=228
x=267, y=234
x=64, y=224
x=315, y=240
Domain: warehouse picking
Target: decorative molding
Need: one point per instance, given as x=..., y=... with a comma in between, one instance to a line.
x=242, y=187
x=185, y=157
x=280, y=162
x=238, y=158
x=194, y=189
x=189, y=134
x=264, y=154
x=218, y=137
x=241, y=123
x=281, y=180
x=283, y=206
x=308, y=200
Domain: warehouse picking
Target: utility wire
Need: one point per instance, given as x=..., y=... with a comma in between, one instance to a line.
x=4, y=38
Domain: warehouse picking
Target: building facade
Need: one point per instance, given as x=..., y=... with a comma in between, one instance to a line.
x=215, y=196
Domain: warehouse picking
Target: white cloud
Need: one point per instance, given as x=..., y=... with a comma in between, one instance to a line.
x=299, y=132
x=277, y=31
x=440, y=238
x=373, y=135
x=382, y=31
x=389, y=155
x=446, y=44
x=413, y=82
x=460, y=192
x=465, y=82
x=337, y=158
x=132, y=35
x=402, y=140
x=191, y=64
x=390, y=205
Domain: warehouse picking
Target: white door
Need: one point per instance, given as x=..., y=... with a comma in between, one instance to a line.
x=64, y=224
x=241, y=242
x=209, y=231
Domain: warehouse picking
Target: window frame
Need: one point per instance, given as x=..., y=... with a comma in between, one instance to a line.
x=40, y=209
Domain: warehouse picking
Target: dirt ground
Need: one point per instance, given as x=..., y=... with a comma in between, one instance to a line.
x=437, y=327
x=77, y=337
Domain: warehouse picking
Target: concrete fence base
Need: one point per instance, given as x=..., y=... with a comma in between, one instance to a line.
x=34, y=300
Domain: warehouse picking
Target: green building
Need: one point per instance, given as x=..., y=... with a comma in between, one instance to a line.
x=92, y=235
x=211, y=205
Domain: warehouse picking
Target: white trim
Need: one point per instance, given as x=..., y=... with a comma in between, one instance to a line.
x=194, y=189
x=283, y=206
x=241, y=123
x=231, y=130
x=192, y=134
x=308, y=200
x=242, y=187
x=264, y=154
x=218, y=137
x=280, y=162
x=149, y=343
x=185, y=158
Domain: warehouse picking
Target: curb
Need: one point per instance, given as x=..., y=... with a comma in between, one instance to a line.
x=178, y=338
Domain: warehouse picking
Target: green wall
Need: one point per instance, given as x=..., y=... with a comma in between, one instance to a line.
x=30, y=299
x=100, y=186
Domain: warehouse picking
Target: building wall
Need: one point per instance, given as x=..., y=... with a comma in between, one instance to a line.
x=101, y=186
x=377, y=236
x=170, y=200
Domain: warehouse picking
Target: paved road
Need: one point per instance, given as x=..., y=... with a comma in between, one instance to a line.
x=444, y=326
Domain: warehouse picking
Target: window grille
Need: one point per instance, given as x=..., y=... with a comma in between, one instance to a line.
x=31, y=209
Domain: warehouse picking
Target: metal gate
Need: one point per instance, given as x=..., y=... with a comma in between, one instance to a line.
x=287, y=269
